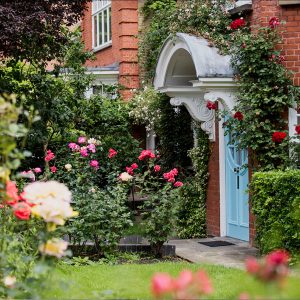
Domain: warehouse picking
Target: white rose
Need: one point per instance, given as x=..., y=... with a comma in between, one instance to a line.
x=9, y=281
x=125, y=176
x=68, y=167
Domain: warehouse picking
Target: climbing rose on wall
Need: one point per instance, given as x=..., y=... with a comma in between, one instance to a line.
x=238, y=23
x=238, y=115
x=278, y=137
x=274, y=22
x=211, y=105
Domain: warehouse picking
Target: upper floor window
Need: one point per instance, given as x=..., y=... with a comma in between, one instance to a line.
x=101, y=16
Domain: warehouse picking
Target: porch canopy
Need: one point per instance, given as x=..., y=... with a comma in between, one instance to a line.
x=192, y=72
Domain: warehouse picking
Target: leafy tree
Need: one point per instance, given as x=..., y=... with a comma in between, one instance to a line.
x=32, y=29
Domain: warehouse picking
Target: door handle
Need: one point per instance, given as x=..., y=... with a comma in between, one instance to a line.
x=236, y=170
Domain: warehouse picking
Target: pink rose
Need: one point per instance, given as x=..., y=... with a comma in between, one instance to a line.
x=157, y=168
x=94, y=164
x=22, y=210
x=112, y=153
x=161, y=283
x=12, y=196
x=92, y=148
x=81, y=139
x=252, y=265
x=274, y=22
x=134, y=166
x=178, y=184
x=84, y=152
x=73, y=146
x=49, y=156
x=129, y=170
x=37, y=170
x=53, y=169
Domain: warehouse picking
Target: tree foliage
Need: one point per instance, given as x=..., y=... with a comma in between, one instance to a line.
x=32, y=29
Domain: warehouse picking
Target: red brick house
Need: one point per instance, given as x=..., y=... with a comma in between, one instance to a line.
x=191, y=72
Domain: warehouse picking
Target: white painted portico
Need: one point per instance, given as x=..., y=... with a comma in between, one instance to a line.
x=191, y=72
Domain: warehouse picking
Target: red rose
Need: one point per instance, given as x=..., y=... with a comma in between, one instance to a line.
x=53, y=169
x=238, y=23
x=211, y=105
x=22, y=210
x=297, y=128
x=134, y=166
x=273, y=22
x=129, y=170
x=277, y=257
x=112, y=153
x=238, y=115
x=278, y=137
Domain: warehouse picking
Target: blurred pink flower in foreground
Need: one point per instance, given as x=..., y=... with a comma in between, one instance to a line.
x=187, y=285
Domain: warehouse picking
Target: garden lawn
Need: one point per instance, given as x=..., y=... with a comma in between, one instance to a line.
x=133, y=281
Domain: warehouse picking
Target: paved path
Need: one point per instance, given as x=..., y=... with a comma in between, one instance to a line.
x=229, y=256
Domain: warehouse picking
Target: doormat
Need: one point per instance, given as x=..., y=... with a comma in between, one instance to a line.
x=216, y=243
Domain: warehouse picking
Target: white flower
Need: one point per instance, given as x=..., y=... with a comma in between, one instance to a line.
x=39, y=191
x=54, y=211
x=125, y=176
x=92, y=190
x=68, y=167
x=9, y=281
x=93, y=141
x=54, y=247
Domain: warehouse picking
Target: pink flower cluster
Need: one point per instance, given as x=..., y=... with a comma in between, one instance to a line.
x=188, y=285
x=145, y=154
x=84, y=150
x=279, y=59
x=211, y=105
x=274, y=267
x=170, y=176
x=130, y=170
x=49, y=156
x=112, y=153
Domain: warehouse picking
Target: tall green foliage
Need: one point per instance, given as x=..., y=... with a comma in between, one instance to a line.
x=192, y=210
x=276, y=205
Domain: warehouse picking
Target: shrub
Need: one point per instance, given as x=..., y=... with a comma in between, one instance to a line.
x=103, y=217
x=275, y=204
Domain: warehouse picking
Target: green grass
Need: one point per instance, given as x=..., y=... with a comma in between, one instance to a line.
x=133, y=281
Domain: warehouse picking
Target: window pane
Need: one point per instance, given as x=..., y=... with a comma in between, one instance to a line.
x=100, y=29
x=105, y=27
x=109, y=23
x=298, y=119
x=95, y=31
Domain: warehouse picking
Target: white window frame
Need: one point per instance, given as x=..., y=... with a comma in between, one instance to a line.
x=99, y=8
x=293, y=121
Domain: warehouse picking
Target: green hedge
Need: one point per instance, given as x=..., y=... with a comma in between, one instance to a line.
x=275, y=200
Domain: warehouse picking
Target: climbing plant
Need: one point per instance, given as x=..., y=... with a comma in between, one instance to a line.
x=265, y=92
x=208, y=19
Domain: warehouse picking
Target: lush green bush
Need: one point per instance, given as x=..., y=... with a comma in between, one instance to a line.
x=192, y=208
x=103, y=217
x=275, y=203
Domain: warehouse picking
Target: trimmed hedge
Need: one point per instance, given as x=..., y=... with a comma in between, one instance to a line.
x=275, y=199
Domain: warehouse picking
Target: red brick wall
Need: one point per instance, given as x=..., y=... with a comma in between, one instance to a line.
x=213, y=191
x=124, y=47
x=263, y=10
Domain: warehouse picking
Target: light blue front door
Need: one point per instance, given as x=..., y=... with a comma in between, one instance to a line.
x=237, y=206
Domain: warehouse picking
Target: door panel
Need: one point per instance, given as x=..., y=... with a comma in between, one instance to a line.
x=236, y=177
